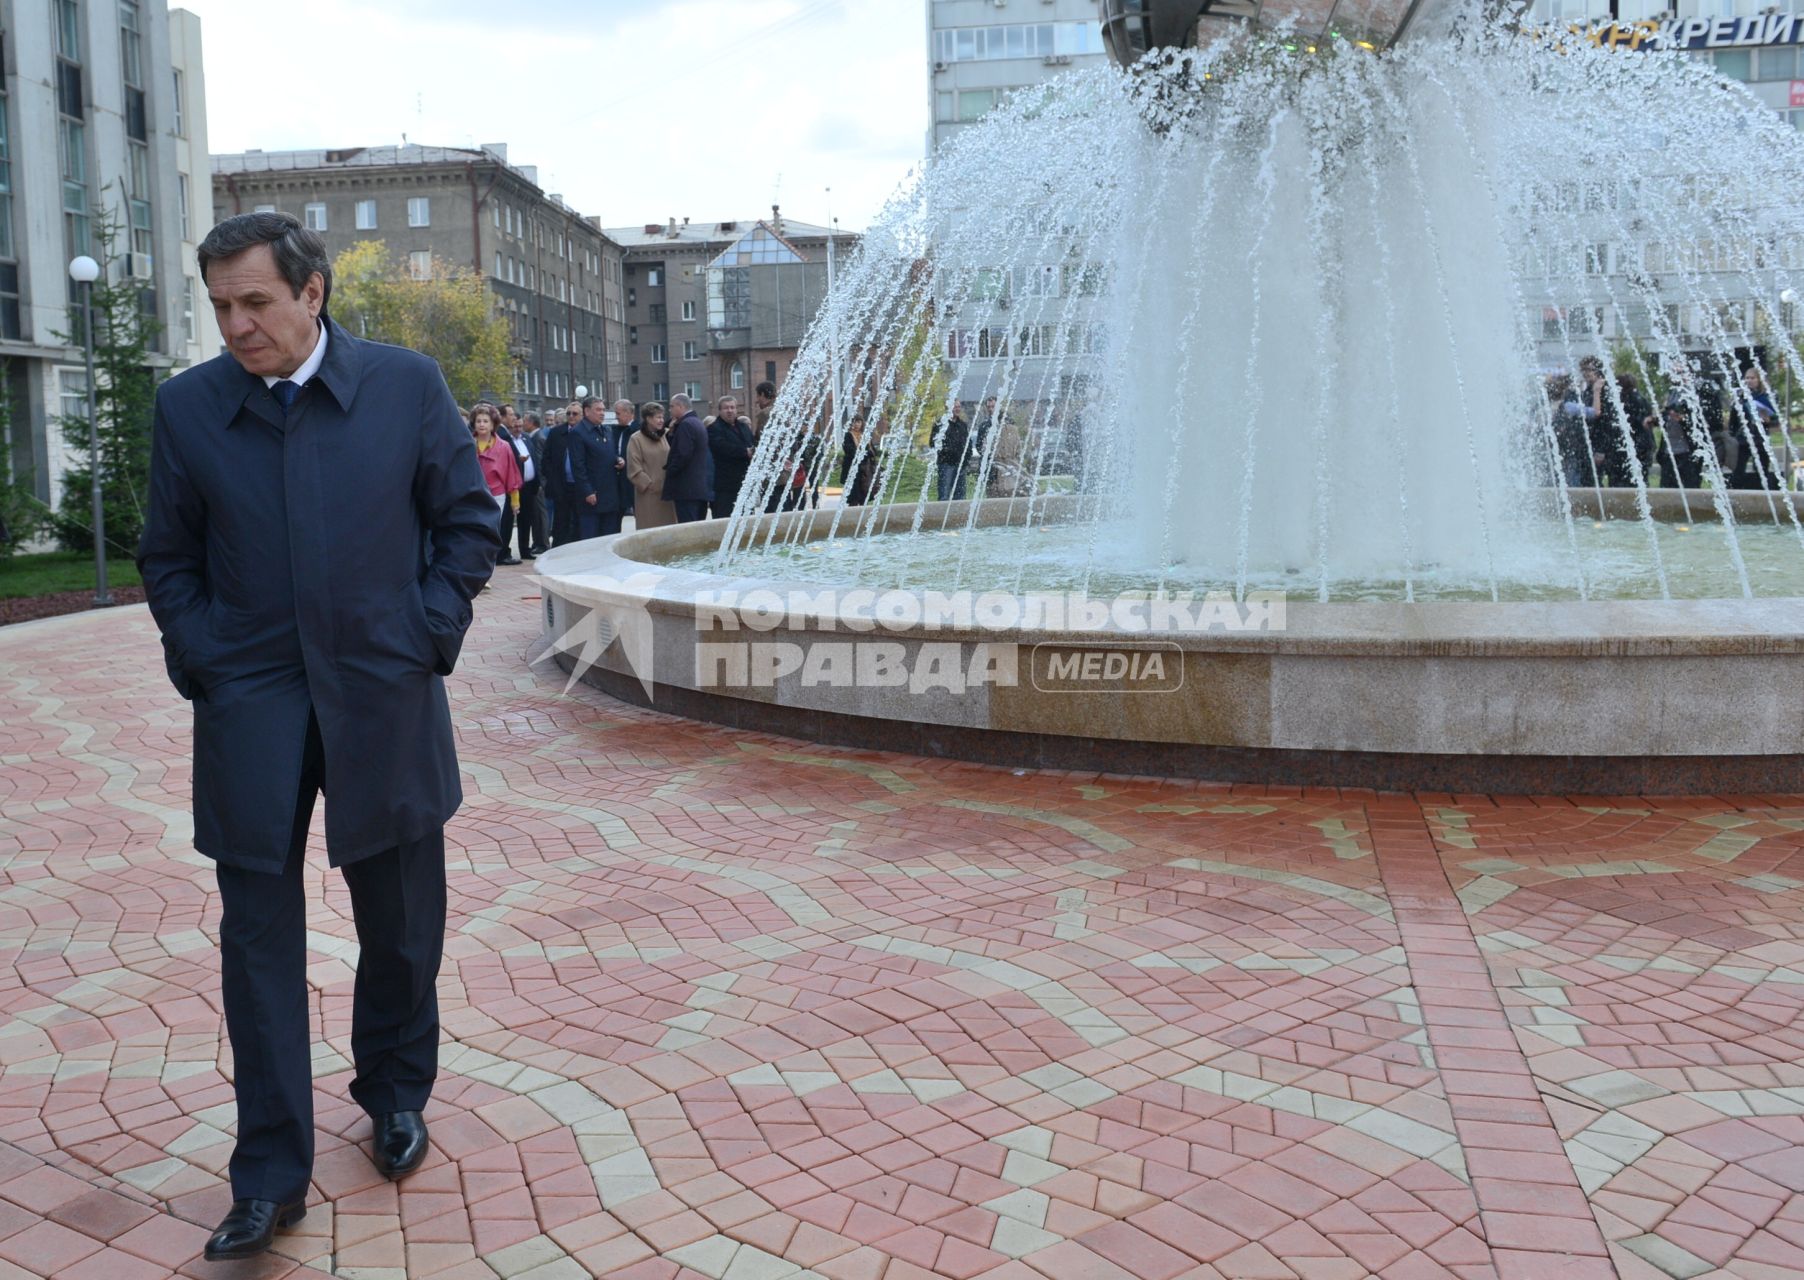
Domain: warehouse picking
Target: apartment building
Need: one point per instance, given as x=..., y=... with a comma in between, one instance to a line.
x=554, y=274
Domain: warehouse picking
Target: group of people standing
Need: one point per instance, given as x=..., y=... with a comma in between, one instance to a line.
x=579, y=471
x=1698, y=423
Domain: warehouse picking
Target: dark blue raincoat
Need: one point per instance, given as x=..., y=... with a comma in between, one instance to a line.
x=320, y=561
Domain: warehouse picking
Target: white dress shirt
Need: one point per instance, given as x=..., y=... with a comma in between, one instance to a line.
x=309, y=366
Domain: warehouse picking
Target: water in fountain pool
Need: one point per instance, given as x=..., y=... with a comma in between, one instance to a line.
x=1282, y=315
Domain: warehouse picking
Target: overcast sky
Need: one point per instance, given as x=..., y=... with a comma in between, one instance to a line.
x=633, y=111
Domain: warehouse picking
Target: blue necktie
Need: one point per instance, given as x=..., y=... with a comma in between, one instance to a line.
x=286, y=391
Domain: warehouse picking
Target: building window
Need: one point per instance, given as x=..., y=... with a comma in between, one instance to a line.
x=314, y=215
x=1777, y=64
x=975, y=104
x=657, y=313
x=692, y=350
x=366, y=215
x=736, y=377
x=419, y=264
x=419, y=211
x=72, y=394
x=182, y=199
x=689, y=310
x=131, y=44
x=1735, y=64
x=659, y=353
x=139, y=198
x=660, y=391
x=633, y=375
x=632, y=334
x=693, y=390
x=74, y=139
x=179, y=104
x=499, y=260
x=188, y=292
x=68, y=30
x=6, y=185
x=653, y=277
x=1024, y=40
x=10, y=316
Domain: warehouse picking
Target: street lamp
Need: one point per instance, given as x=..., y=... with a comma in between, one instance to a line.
x=85, y=271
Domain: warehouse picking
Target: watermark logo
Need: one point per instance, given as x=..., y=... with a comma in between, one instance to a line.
x=612, y=612
x=924, y=642
x=1155, y=666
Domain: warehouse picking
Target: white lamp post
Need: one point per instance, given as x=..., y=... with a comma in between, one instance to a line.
x=85, y=271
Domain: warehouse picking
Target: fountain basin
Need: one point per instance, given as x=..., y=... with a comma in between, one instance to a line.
x=1604, y=697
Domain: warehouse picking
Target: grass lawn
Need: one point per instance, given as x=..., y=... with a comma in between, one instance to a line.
x=54, y=571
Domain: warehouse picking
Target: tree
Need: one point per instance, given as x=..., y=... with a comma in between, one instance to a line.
x=125, y=388
x=921, y=386
x=21, y=514
x=448, y=315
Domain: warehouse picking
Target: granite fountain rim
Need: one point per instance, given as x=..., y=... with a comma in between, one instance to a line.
x=613, y=570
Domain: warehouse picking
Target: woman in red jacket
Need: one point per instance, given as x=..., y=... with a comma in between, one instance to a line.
x=499, y=465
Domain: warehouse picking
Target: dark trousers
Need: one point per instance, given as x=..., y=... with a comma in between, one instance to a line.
x=398, y=901
x=597, y=524
x=566, y=523
x=531, y=522
x=690, y=510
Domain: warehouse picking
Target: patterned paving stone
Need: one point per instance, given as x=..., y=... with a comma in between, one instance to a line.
x=724, y=1005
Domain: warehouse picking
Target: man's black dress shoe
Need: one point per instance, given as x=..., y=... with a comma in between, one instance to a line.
x=508, y=560
x=400, y=1142
x=250, y=1228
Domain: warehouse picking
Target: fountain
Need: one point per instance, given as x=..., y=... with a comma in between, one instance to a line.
x=1305, y=472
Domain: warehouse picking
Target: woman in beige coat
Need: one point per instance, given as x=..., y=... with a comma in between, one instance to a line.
x=647, y=450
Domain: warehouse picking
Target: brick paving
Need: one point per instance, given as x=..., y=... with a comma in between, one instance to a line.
x=723, y=1005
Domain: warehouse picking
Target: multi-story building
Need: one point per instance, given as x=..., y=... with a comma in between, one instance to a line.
x=90, y=121
x=1591, y=300
x=979, y=50
x=1755, y=41
x=554, y=274
x=193, y=335
x=718, y=308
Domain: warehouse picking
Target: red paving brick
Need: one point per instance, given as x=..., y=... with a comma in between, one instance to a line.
x=715, y=1000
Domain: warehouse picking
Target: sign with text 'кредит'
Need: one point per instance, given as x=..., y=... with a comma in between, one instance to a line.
x=1766, y=29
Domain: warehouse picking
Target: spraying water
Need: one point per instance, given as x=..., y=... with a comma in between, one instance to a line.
x=1318, y=316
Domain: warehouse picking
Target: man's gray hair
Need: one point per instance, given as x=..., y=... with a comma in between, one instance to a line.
x=680, y=398
x=300, y=253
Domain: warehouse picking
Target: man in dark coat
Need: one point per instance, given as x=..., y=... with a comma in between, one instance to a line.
x=530, y=452
x=953, y=457
x=686, y=470
x=731, y=441
x=567, y=477
x=317, y=526
x=626, y=415
x=598, y=498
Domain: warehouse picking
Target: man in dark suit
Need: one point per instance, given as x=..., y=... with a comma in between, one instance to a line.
x=532, y=465
x=731, y=441
x=317, y=527
x=598, y=500
x=567, y=476
x=686, y=470
x=626, y=421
